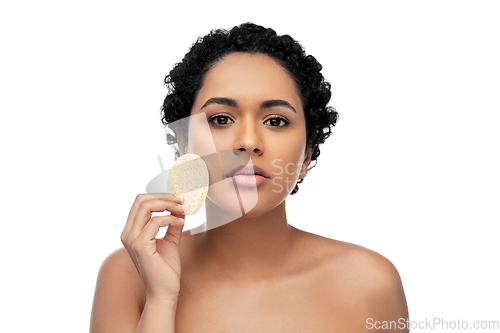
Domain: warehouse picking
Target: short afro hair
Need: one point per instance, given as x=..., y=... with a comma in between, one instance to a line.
x=186, y=78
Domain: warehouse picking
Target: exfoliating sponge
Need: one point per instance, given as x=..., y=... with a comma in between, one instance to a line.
x=189, y=177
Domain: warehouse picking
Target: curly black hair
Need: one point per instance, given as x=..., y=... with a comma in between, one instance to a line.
x=186, y=78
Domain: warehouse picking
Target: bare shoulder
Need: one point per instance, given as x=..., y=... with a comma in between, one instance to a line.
x=370, y=268
x=356, y=275
x=119, y=264
x=118, y=259
x=355, y=261
x=119, y=295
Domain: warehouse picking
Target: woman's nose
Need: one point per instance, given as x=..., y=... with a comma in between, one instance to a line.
x=249, y=140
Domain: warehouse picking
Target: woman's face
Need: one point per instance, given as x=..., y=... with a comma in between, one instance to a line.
x=253, y=109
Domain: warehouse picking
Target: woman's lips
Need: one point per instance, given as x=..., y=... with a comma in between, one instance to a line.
x=248, y=169
x=249, y=180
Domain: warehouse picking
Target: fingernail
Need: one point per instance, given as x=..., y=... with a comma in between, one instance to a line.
x=181, y=206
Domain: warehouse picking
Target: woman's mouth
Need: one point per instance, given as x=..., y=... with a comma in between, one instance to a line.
x=249, y=180
x=248, y=175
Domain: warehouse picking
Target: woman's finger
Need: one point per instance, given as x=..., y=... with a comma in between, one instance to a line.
x=144, y=212
x=135, y=207
x=174, y=232
x=145, y=243
x=146, y=209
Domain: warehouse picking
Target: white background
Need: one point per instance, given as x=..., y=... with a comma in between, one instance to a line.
x=411, y=170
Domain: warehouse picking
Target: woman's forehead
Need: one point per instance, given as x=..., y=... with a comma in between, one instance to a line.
x=246, y=77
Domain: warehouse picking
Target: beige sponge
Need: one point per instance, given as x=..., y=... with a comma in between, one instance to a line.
x=189, y=178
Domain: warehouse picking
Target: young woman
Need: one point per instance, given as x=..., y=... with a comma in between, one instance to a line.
x=261, y=96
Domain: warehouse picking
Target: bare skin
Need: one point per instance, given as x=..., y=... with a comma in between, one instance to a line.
x=335, y=289
x=258, y=273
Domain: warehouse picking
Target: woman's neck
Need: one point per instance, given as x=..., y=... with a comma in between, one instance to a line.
x=250, y=248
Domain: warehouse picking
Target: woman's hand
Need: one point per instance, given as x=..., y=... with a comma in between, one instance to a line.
x=157, y=260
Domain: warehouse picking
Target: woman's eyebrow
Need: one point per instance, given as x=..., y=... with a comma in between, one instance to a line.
x=233, y=103
x=220, y=100
x=276, y=102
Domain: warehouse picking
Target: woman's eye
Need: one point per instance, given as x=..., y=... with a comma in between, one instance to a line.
x=276, y=121
x=220, y=120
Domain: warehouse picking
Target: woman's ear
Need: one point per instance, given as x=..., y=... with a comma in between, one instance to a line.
x=305, y=163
